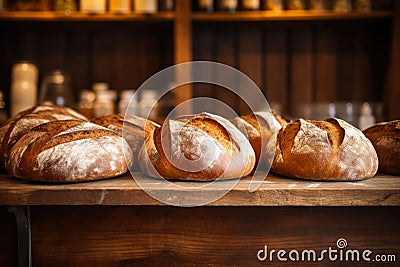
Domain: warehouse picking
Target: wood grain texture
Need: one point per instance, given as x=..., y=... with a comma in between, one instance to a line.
x=250, y=63
x=325, y=65
x=8, y=238
x=183, y=51
x=205, y=236
x=225, y=53
x=382, y=190
x=301, y=72
x=276, y=67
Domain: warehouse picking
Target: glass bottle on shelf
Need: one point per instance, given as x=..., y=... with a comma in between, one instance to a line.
x=93, y=6
x=24, y=79
x=250, y=4
x=228, y=5
x=85, y=105
x=205, y=5
x=120, y=6
x=318, y=5
x=145, y=6
x=148, y=104
x=166, y=5
x=128, y=101
x=362, y=5
x=342, y=6
x=296, y=5
x=104, y=104
x=274, y=5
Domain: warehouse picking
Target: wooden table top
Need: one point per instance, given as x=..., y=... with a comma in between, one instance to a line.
x=381, y=190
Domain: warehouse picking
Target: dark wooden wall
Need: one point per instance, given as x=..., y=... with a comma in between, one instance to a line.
x=122, y=54
x=299, y=62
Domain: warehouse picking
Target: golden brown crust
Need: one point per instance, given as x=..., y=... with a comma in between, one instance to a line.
x=68, y=151
x=386, y=139
x=23, y=122
x=259, y=127
x=324, y=150
x=134, y=129
x=199, y=147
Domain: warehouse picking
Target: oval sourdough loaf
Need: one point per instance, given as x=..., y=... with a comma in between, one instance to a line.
x=68, y=151
x=24, y=121
x=385, y=137
x=197, y=147
x=324, y=150
x=258, y=128
x=134, y=129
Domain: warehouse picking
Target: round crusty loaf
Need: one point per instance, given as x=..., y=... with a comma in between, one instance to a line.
x=258, y=128
x=385, y=137
x=134, y=129
x=330, y=150
x=197, y=147
x=68, y=151
x=21, y=123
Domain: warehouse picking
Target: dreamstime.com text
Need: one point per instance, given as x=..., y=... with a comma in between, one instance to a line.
x=339, y=253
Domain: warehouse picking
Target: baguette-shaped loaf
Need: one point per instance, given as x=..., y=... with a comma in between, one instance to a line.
x=258, y=128
x=23, y=122
x=385, y=137
x=197, y=147
x=69, y=151
x=324, y=150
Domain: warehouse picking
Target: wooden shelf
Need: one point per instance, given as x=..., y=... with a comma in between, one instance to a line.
x=78, y=16
x=381, y=190
x=258, y=16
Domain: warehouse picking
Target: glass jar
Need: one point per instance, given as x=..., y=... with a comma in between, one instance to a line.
x=104, y=104
x=85, y=105
x=274, y=5
x=228, y=5
x=128, y=102
x=250, y=4
x=205, y=5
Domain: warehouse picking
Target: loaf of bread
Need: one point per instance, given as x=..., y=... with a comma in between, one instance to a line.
x=330, y=150
x=385, y=137
x=198, y=147
x=23, y=122
x=258, y=128
x=68, y=151
x=134, y=129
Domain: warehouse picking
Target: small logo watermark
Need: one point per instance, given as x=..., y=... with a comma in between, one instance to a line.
x=340, y=253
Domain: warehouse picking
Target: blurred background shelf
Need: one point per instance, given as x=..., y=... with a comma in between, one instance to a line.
x=49, y=16
x=300, y=15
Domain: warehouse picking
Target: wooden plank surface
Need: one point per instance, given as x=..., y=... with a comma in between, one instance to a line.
x=382, y=190
x=209, y=236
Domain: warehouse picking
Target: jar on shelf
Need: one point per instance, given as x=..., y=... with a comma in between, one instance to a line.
x=166, y=5
x=86, y=101
x=296, y=5
x=319, y=5
x=24, y=80
x=362, y=5
x=93, y=6
x=274, y=5
x=250, y=5
x=228, y=5
x=342, y=6
x=128, y=102
x=148, y=104
x=66, y=6
x=145, y=6
x=205, y=5
x=104, y=104
x=120, y=6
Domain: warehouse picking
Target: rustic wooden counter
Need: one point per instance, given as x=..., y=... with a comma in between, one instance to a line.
x=115, y=223
x=382, y=190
